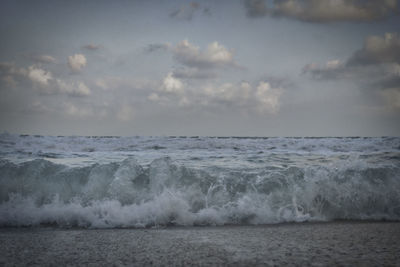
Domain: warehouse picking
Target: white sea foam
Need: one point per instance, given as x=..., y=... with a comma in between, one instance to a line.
x=166, y=192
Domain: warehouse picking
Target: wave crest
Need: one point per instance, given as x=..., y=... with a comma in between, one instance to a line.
x=126, y=194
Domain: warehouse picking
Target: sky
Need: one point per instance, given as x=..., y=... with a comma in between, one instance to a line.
x=208, y=68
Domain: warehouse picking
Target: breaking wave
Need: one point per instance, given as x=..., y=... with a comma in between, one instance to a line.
x=127, y=194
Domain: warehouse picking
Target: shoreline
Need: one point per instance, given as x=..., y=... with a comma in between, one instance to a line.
x=308, y=243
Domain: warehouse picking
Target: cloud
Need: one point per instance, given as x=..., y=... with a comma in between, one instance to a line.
x=379, y=56
x=188, y=11
x=42, y=80
x=91, y=47
x=256, y=8
x=197, y=63
x=157, y=47
x=73, y=88
x=330, y=70
x=322, y=11
x=50, y=85
x=377, y=50
x=39, y=76
x=10, y=74
x=46, y=59
x=116, y=82
x=262, y=98
x=375, y=67
x=172, y=85
x=267, y=97
x=77, y=62
x=214, y=56
x=194, y=73
x=8, y=68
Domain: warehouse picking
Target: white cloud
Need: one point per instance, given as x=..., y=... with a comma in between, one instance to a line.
x=73, y=88
x=42, y=80
x=51, y=85
x=172, y=85
x=330, y=67
x=77, y=62
x=268, y=97
x=262, y=98
x=197, y=63
x=39, y=76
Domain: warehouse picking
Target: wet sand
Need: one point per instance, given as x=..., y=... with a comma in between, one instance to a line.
x=316, y=244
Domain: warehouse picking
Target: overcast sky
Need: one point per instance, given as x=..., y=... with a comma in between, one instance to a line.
x=252, y=68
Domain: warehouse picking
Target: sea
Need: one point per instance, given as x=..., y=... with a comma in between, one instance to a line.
x=137, y=182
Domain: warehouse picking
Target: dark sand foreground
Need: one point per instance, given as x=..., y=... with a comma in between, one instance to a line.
x=336, y=243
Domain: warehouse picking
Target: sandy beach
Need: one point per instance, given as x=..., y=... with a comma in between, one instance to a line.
x=316, y=244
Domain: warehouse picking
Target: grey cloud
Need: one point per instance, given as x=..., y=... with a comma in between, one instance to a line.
x=156, y=47
x=46, y=59
x=375, y=67
x=194, y=73
x=256, y=8
x=9, y=68
x=92, y=47
x=6, y=67
x=330, y=70
x=322, y=11
x=187, y=11
x=11, y=75
x=369, y=73
x=377, y=50
x=379, y=57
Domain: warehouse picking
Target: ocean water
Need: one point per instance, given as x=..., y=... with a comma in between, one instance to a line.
x=109, y=182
